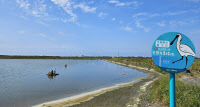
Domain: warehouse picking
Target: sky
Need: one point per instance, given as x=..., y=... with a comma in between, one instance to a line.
x=93, y=27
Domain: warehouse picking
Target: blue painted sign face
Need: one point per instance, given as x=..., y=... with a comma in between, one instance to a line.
x=173, y=52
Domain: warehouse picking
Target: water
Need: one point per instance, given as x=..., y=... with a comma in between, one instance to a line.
x=24, y=83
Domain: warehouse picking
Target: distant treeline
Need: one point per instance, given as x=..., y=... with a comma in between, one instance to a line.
x=147, y=62
x=53, y=57
x=61, y=57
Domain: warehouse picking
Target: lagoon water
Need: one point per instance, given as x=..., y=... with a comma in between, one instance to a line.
x=24, y=83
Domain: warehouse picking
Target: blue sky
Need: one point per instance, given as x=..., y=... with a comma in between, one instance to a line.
x=93, y=28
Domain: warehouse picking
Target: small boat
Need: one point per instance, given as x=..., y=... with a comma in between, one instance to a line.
x=65, y=65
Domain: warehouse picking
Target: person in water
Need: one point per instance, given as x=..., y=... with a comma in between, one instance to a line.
x=51, y=72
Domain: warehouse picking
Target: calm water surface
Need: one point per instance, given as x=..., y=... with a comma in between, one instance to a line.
x=24, y=83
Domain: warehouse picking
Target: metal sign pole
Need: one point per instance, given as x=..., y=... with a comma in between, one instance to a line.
x=172, y=90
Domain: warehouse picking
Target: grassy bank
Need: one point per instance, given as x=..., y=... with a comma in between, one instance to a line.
x=186, y=95
x=147, y=62
x=139, y=62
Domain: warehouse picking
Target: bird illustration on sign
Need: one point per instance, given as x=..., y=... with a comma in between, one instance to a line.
x=184, y=50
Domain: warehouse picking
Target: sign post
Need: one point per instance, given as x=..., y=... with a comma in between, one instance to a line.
x=172, y=90
x=173, y=52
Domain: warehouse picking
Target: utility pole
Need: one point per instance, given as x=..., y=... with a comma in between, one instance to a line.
x=118, y=54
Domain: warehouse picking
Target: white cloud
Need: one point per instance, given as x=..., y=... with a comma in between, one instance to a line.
x=45, y=36
x=85, y=8
x=175, y=23
x=42, y=35
x=23, y=17
x=139, y=14
x=139, y=17
x=39, y=10
x=62, y=3
x=64, y=34
x=21, y=32
x=162, y=24
x=196, y=32
x=120, y=4
x=174, y=13
x=91, y=2
x=117, y=3
x=67, y=6
x=145, y=15
x=127, y=28
x=150, y=15
x=113, y=1
x=41, y=22
x=135, y=3
x=60, y=33
x=102, y=15
x=193, y=0
x=113, y=19
x=23, y=4
x=139, y=25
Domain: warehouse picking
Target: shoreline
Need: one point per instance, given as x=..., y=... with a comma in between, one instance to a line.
x=76, y=99
x=135, y=67
x=88, y=96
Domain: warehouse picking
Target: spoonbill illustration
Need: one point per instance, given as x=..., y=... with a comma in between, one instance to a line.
x=184, y=50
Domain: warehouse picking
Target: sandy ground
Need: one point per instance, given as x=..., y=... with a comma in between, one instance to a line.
x=126, y=95
x=190, y=80
x=144, y=101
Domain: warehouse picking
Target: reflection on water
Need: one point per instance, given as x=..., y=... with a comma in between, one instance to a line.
x=24, y=82
x=51, y=77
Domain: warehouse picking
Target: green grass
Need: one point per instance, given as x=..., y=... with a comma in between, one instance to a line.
x=139, y=62
x=148, y=63
x=186, y=95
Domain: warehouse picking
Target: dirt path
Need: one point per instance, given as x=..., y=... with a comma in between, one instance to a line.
x=190, y=80
x=123, y=97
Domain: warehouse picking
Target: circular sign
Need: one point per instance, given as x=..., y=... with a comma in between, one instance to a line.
x=173, y=52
